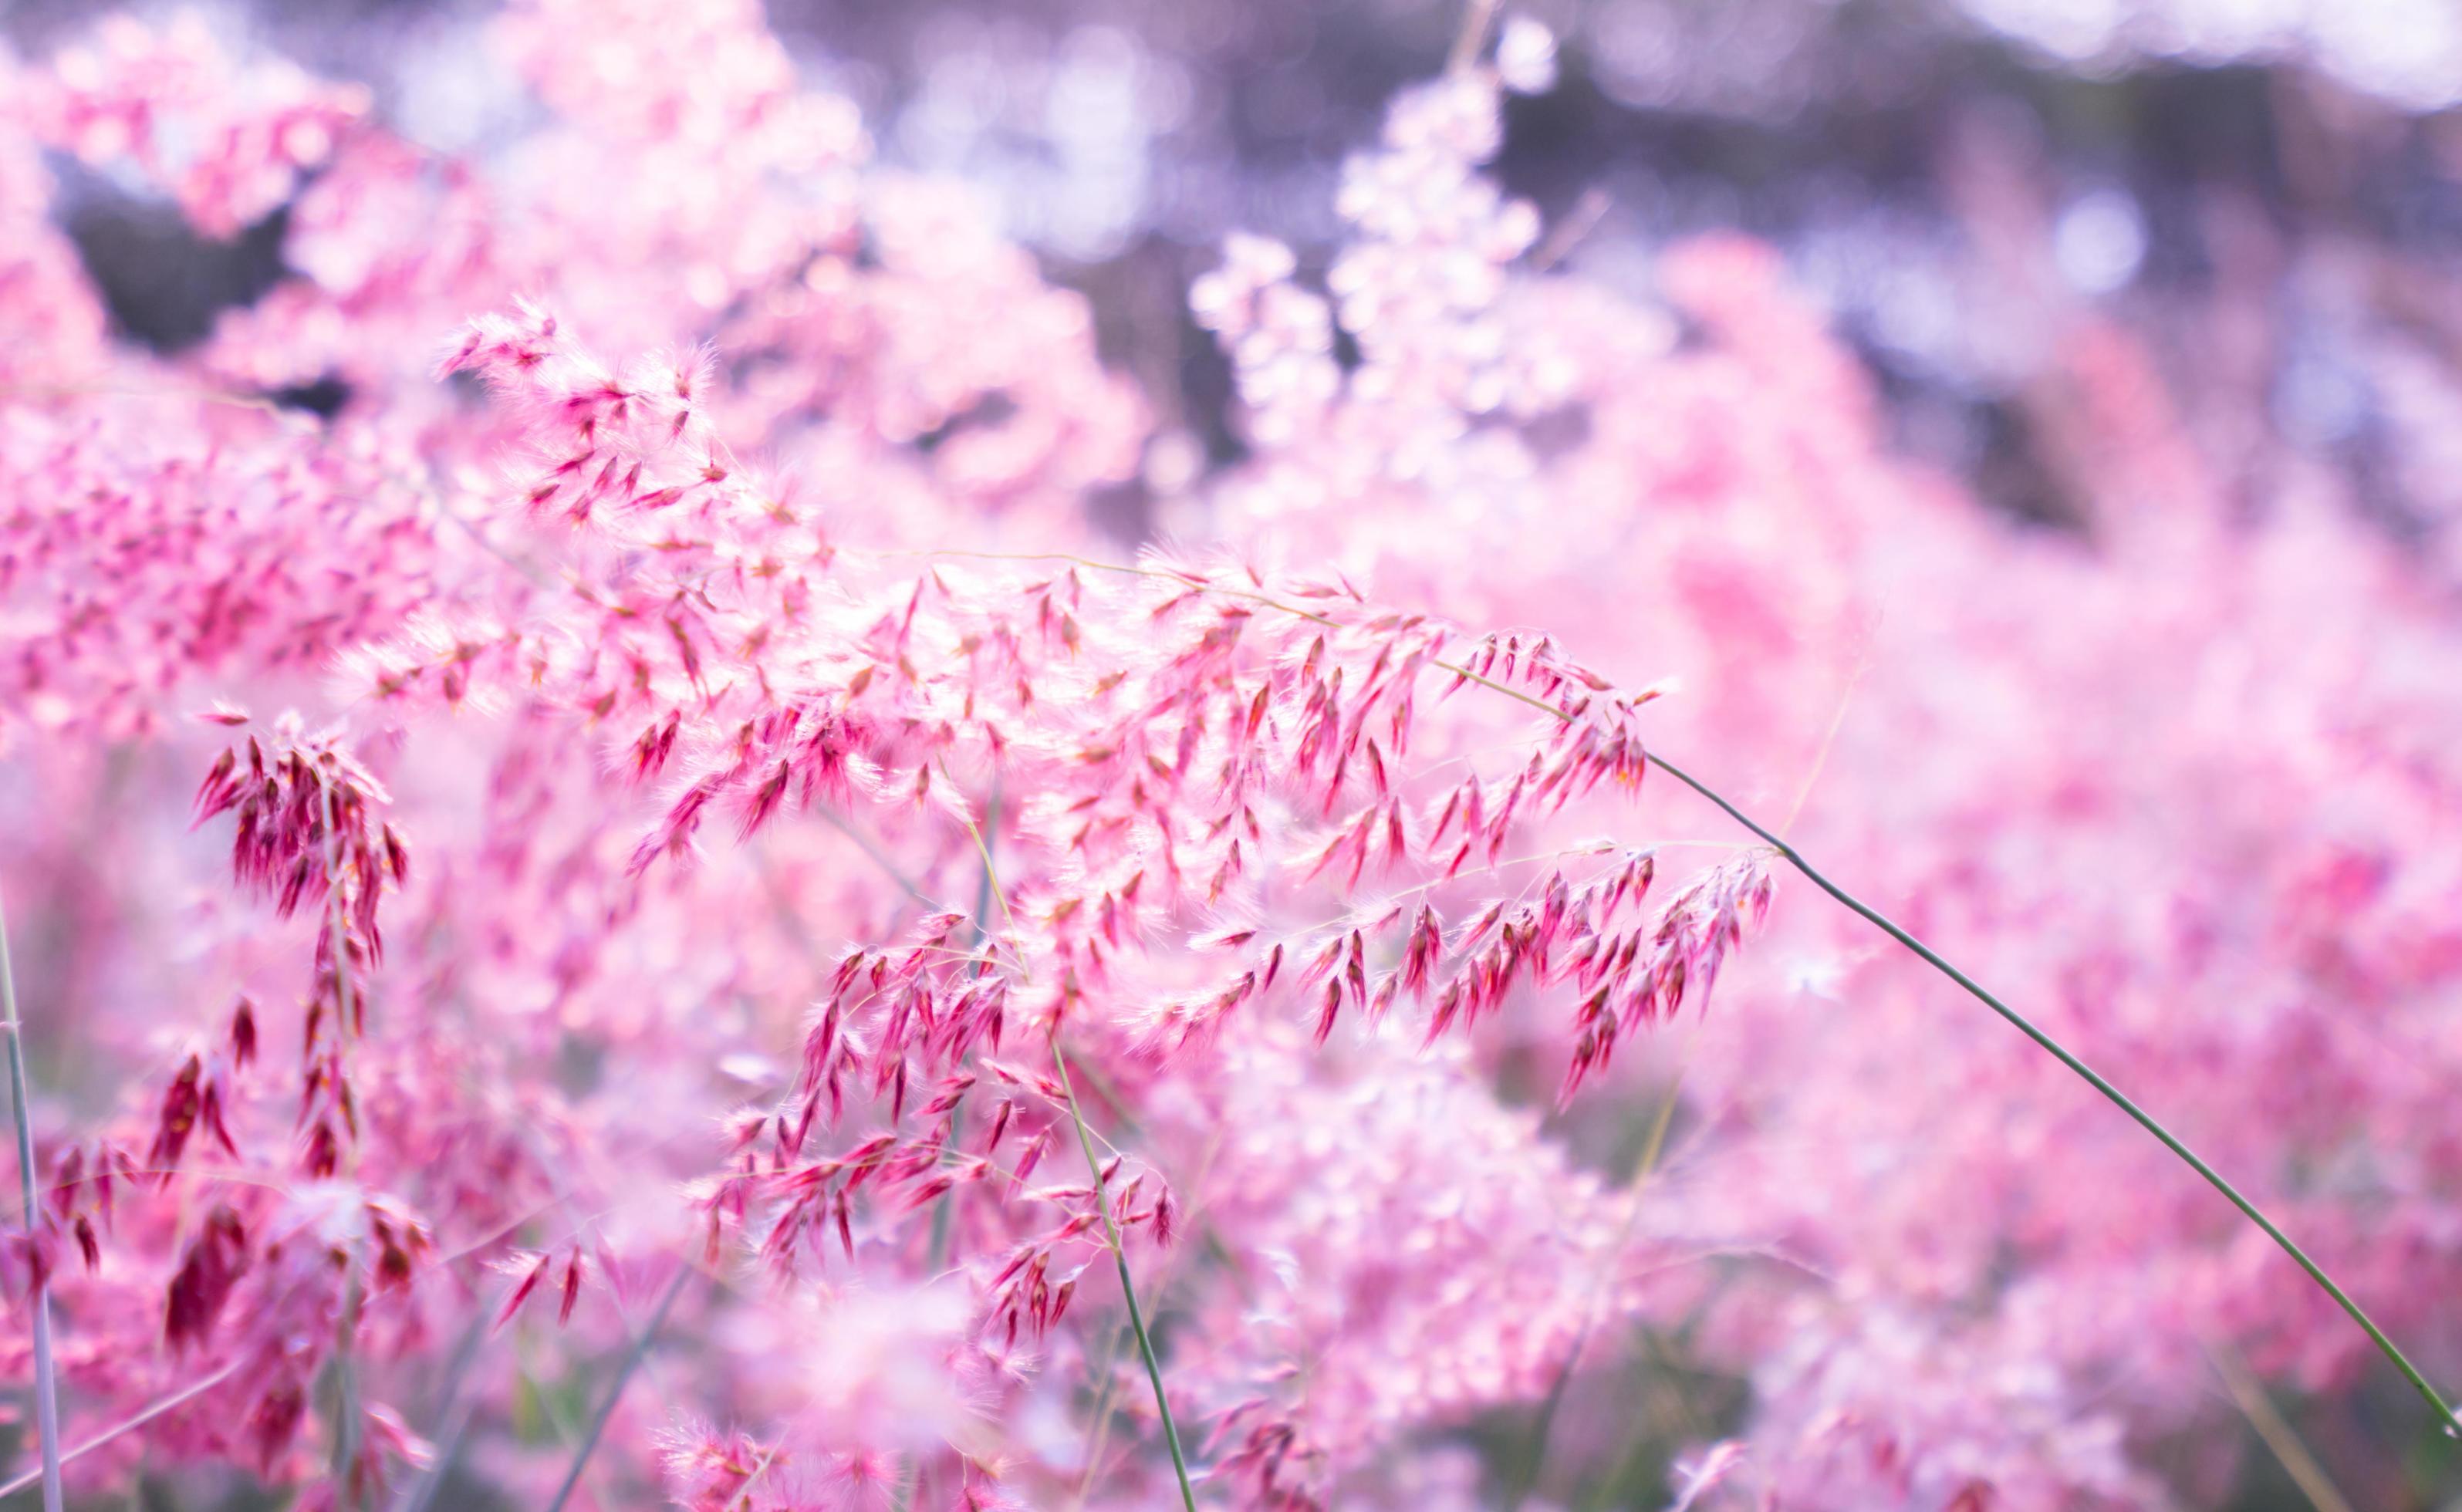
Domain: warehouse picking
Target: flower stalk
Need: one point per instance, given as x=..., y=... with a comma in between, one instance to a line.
x=2445, y=1413
x=633, y=1358
x=1128, y=1286
x=47, y=1399
x=2092, y=1078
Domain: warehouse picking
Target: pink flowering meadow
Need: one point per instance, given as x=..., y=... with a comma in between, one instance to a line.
x=668, y=902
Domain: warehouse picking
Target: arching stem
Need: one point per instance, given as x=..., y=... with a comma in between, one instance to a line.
x=2092, y=1078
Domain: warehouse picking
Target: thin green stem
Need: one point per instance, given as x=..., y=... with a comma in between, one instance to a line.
x=46, y=1392
x=1128, y=1287
x=879, y=857
x=944, y=1212
x=633, y=1358
x=2444, y=1412
x=453, y=1416
x=447, y=1449
x=1534, y=1458
x=991, y=885
x=1627, y=1481
x=2092, y=1078
x=1878, y=919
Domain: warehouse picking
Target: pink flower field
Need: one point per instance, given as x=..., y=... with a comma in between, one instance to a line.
x=676, y=832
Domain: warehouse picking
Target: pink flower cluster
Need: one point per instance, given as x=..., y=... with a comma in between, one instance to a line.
x=800, y=974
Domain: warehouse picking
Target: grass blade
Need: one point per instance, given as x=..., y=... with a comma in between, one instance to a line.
x=597, y=1428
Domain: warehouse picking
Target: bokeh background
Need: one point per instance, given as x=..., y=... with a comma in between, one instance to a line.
x=2263, y=197
x=2267, y=192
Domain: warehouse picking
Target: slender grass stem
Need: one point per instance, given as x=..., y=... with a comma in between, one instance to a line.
x=2119, y=1099
x=1094, y=1167
x=129, y=1425
x=1626, y=1482
x=1102, y=1435
x=1477, y=20
x=1128, y=1287
x=337, y=931
x=346, y=1395
x=2279, y=1435
x=448, y=1448
x=1535, y=1456
x=453, y=1416
x=156, y=1409
x=2445, y=1413
x=633, y=1358
x=2451, y=1424
x=944, y=1212
x=47, y=1389
x=881, y=858
x=743, y=1492
x=346, y=1402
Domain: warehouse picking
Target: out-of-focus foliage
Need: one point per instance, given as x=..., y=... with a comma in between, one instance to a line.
x=581, y=719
